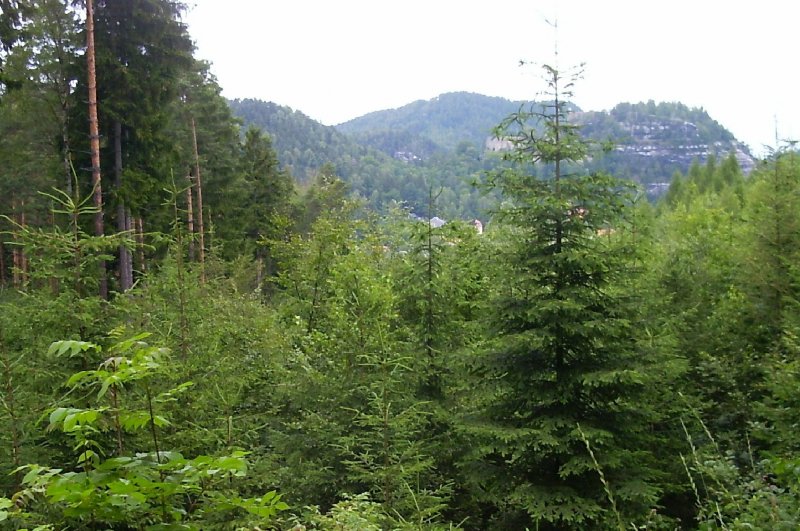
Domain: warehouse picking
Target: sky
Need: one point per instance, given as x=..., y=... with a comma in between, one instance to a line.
x=335, y=60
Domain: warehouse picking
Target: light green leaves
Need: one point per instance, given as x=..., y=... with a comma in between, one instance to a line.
x=73, y=348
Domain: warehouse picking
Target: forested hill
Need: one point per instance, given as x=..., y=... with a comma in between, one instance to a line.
x=303, y=144
x=653, y=140
x=444, y=121
x=395, y=154
x=381, y=178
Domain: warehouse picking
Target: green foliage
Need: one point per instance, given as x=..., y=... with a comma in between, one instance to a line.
x=152, y=488
x=444, y=121
x=291, y=131
x=706, y=129
x=355, y=513
x=738, y=492
x=375, y=173
x=564, y=351
x=67, y=259
x=725, y=180
x=352, y=369
x=335, y=342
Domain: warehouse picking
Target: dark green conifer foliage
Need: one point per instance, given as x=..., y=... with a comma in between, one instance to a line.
x=266, y=191
x=143, y=50
x=775, y=243
x=563, y=359
x=201, y=113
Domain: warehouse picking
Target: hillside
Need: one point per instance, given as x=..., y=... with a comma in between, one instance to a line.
x=652, y=140
x=303, y=144
x=446, y=142
x=444, y=121
x=382, y=177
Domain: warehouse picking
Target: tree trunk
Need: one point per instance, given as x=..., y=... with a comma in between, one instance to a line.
x=125, y=258
x=131, y=238
x=55, y=287
x=16, y=266
x=94, y=141
x=200, y=231
x=3, y=278
x=24, y=263
x=66, y=160
x=184, y=322
x=190, y=219
x=260, y=271
x=17, y=253
x=139, y=229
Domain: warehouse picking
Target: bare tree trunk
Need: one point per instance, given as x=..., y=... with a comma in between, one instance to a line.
x=131, y=237
x=16, y=250
x=15, y=273
x=77, y=253
x=66, y=160
x=125, y=258
x=184, y=322
x=3, y=278
x=140, y=244
x=26, y=269
x=190, y=219
x=260, y=272
x=210, y=230
x=20, y=262
x=200, y=231
x=94, y=140
x=54, y=283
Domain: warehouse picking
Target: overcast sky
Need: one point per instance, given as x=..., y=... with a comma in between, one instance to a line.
x=339, y=59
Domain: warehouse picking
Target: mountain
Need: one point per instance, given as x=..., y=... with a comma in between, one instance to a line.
x=651, y=140
x=444, y=121
x=447, y=144
x=303, y=145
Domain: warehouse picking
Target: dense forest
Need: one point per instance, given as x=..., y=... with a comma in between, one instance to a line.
x=192, y=336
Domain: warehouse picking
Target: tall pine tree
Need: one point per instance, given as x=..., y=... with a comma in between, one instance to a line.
x=560, y=445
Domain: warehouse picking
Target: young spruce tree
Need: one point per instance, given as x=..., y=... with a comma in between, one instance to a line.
x=561, y=444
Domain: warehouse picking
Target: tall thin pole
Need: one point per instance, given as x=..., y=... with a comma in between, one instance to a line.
x=123, y=224
x=190, y=218
x=199, y=183
x=139, y=230
x=94, y=140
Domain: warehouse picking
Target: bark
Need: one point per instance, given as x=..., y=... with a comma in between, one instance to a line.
x=94, y=141
x=24, y=263
x=184, y=322
x=125, y=258
x=199, y=183
x=54, y=283
x=3, y=278
x=17, y=252
x=67, y=160
x=139, y=229
x=190, y=219
x=260, y=271
x=130, y=230
x=77, y=254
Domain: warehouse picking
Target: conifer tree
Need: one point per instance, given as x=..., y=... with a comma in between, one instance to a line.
x=94, y=138
x=563, y=370
x=142, y=49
